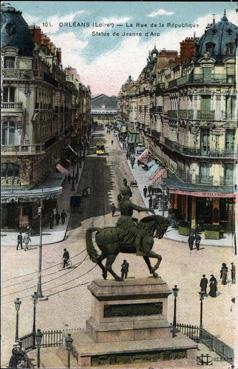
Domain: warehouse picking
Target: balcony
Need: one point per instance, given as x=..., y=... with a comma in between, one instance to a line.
x=206, y=114
x=225, y=181
x=22, y=149
x=180, y=114
x=200, y=78
x=22, y=74
x=204, y=180
x=12, y=106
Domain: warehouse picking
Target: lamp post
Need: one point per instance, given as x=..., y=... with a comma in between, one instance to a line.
x=73, y=179
x=77, y=169
x=69, y=346
x=39, y=336
x=202, y=295
x=17, y=303
x=34, y=299
x=39, y=290
x=175, y=293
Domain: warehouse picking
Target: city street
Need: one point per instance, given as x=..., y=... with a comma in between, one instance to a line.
x=68, y=304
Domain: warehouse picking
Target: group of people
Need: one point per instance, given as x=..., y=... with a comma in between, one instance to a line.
x=194, y=238
x=55, y=217
x=18, y=358
x=131, y=157
x=23, y=241
x=213, y=281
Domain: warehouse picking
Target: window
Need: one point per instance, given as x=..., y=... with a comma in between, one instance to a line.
x=8, y=133
x=207, y=73
x=204, y=170
x=9, y=62
x=210, y=47
x=9, y=170
x=230, y=138
x=8, y=94
x=229, y=171
x=205, y=103
x=230, y=49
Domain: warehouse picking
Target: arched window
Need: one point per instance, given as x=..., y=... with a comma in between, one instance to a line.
x=9, y=170
x=8, y=133
x=230, y=48
x=210, y=46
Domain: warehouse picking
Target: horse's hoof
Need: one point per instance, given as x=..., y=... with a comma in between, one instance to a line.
x=104, y=275
x=155, y=275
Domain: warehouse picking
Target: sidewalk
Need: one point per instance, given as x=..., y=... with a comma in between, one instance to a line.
x=140, y=176
x=49, y=236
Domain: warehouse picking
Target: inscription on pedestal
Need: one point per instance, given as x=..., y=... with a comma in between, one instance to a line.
x=152, y=308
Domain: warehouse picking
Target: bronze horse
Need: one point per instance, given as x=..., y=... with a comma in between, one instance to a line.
x=110, y=242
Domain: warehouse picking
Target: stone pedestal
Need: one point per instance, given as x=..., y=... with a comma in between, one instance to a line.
x=129, y=323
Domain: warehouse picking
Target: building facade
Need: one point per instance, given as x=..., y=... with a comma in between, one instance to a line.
x=187, y=113
x=104, y=109
x=41, y=108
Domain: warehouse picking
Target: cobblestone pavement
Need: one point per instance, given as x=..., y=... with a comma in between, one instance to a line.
x=69, y=301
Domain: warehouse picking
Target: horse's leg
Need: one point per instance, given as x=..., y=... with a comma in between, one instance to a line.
x=153, y=254
x=147, y=260
x=110, y=260
x=100, y=264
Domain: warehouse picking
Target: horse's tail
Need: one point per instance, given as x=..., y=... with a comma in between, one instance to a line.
x=92, y=252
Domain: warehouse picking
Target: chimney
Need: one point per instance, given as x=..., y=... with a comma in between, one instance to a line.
x=36, y=35
x=59, y=55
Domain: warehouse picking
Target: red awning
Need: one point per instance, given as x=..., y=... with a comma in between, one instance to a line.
x=144, y=157
x=61, y=169
x=157, y=177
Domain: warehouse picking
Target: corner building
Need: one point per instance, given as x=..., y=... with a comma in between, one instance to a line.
x=40, y=111
x=190, y=123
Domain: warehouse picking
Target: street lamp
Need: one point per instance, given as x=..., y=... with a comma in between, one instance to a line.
x=34, y=299
x=39, y=336
x=17, y=303
x=175, y=293
x=77, y=169
x=202, y=295
x=39, y=290
x=69, y=346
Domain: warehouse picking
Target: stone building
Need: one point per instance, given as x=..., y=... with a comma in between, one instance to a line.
x=40, y=111
x=189, y=122
x=104, y=109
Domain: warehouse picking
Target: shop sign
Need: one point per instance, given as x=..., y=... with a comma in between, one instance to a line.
x=202, y=194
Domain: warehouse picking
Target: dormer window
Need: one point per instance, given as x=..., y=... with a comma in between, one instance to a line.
x=229, y=31
x=9, y=62
x=230, y=48
x=210, y=47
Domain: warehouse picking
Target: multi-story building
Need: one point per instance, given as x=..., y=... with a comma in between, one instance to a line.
x=40, y=111
x=194, y=114
x=104, y=109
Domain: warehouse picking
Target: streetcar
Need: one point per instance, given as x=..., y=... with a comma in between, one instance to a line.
x=100, y=149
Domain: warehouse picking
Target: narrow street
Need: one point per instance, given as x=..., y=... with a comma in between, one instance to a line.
x=69, y=302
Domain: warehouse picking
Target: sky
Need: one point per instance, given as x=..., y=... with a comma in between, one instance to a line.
x=104, y=61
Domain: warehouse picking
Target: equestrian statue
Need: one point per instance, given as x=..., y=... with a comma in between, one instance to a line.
x=128, y=236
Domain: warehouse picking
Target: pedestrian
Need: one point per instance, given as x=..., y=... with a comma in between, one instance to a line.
x=66, y=258
x=69, y=178
x=51, y=220
x=124, y=269
x=203, y=284
x=150, y=190
x=132, y=162
x=63, y=216
x=127, y=155
x=197, y=240
x=57, y=217
x=213, y=286
x=233, y=273
x=28, y=230
x=113, y=209
x=191, y=239
x=19, y=240
x=26, y=241
x=150, y=202
x=223, y=273
x=112, y=142
x=145, y=191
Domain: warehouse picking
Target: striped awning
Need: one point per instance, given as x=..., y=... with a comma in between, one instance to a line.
x=159, y=175
x=154, y=169
x=144, y=157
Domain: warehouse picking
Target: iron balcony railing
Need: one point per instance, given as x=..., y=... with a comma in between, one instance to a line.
x=10, y=73
x=205, y=180
x=225, y=181
x=206, y=114
x=11, y=105
x=200, y=78
x=23, y=149
x=182, y=114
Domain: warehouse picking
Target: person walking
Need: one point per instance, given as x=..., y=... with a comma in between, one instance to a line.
x=26, y=241
x=57, y=217
x=113, y=209
x=124, y=269
x=52, y=220
x=197, y=240
x=223, y=273
x=203, y=284
x=65, y=258
x=145, y=191
x=63, y=216
x=111, y=142
x=150, y=202
x=150, y=190
x=213, y=286
x=191, y=239
x=19, y=240
x=233, y=273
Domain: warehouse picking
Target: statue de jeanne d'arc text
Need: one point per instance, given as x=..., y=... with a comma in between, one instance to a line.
x=128, y=236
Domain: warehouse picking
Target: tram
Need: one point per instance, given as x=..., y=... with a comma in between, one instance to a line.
x=100, y=149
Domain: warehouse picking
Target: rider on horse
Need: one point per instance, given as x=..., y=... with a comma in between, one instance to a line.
x=129, y=231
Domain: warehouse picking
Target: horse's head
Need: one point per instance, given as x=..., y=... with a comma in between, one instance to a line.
x=162, y=225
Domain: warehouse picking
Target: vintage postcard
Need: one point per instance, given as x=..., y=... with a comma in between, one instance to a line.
x=119, y=179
